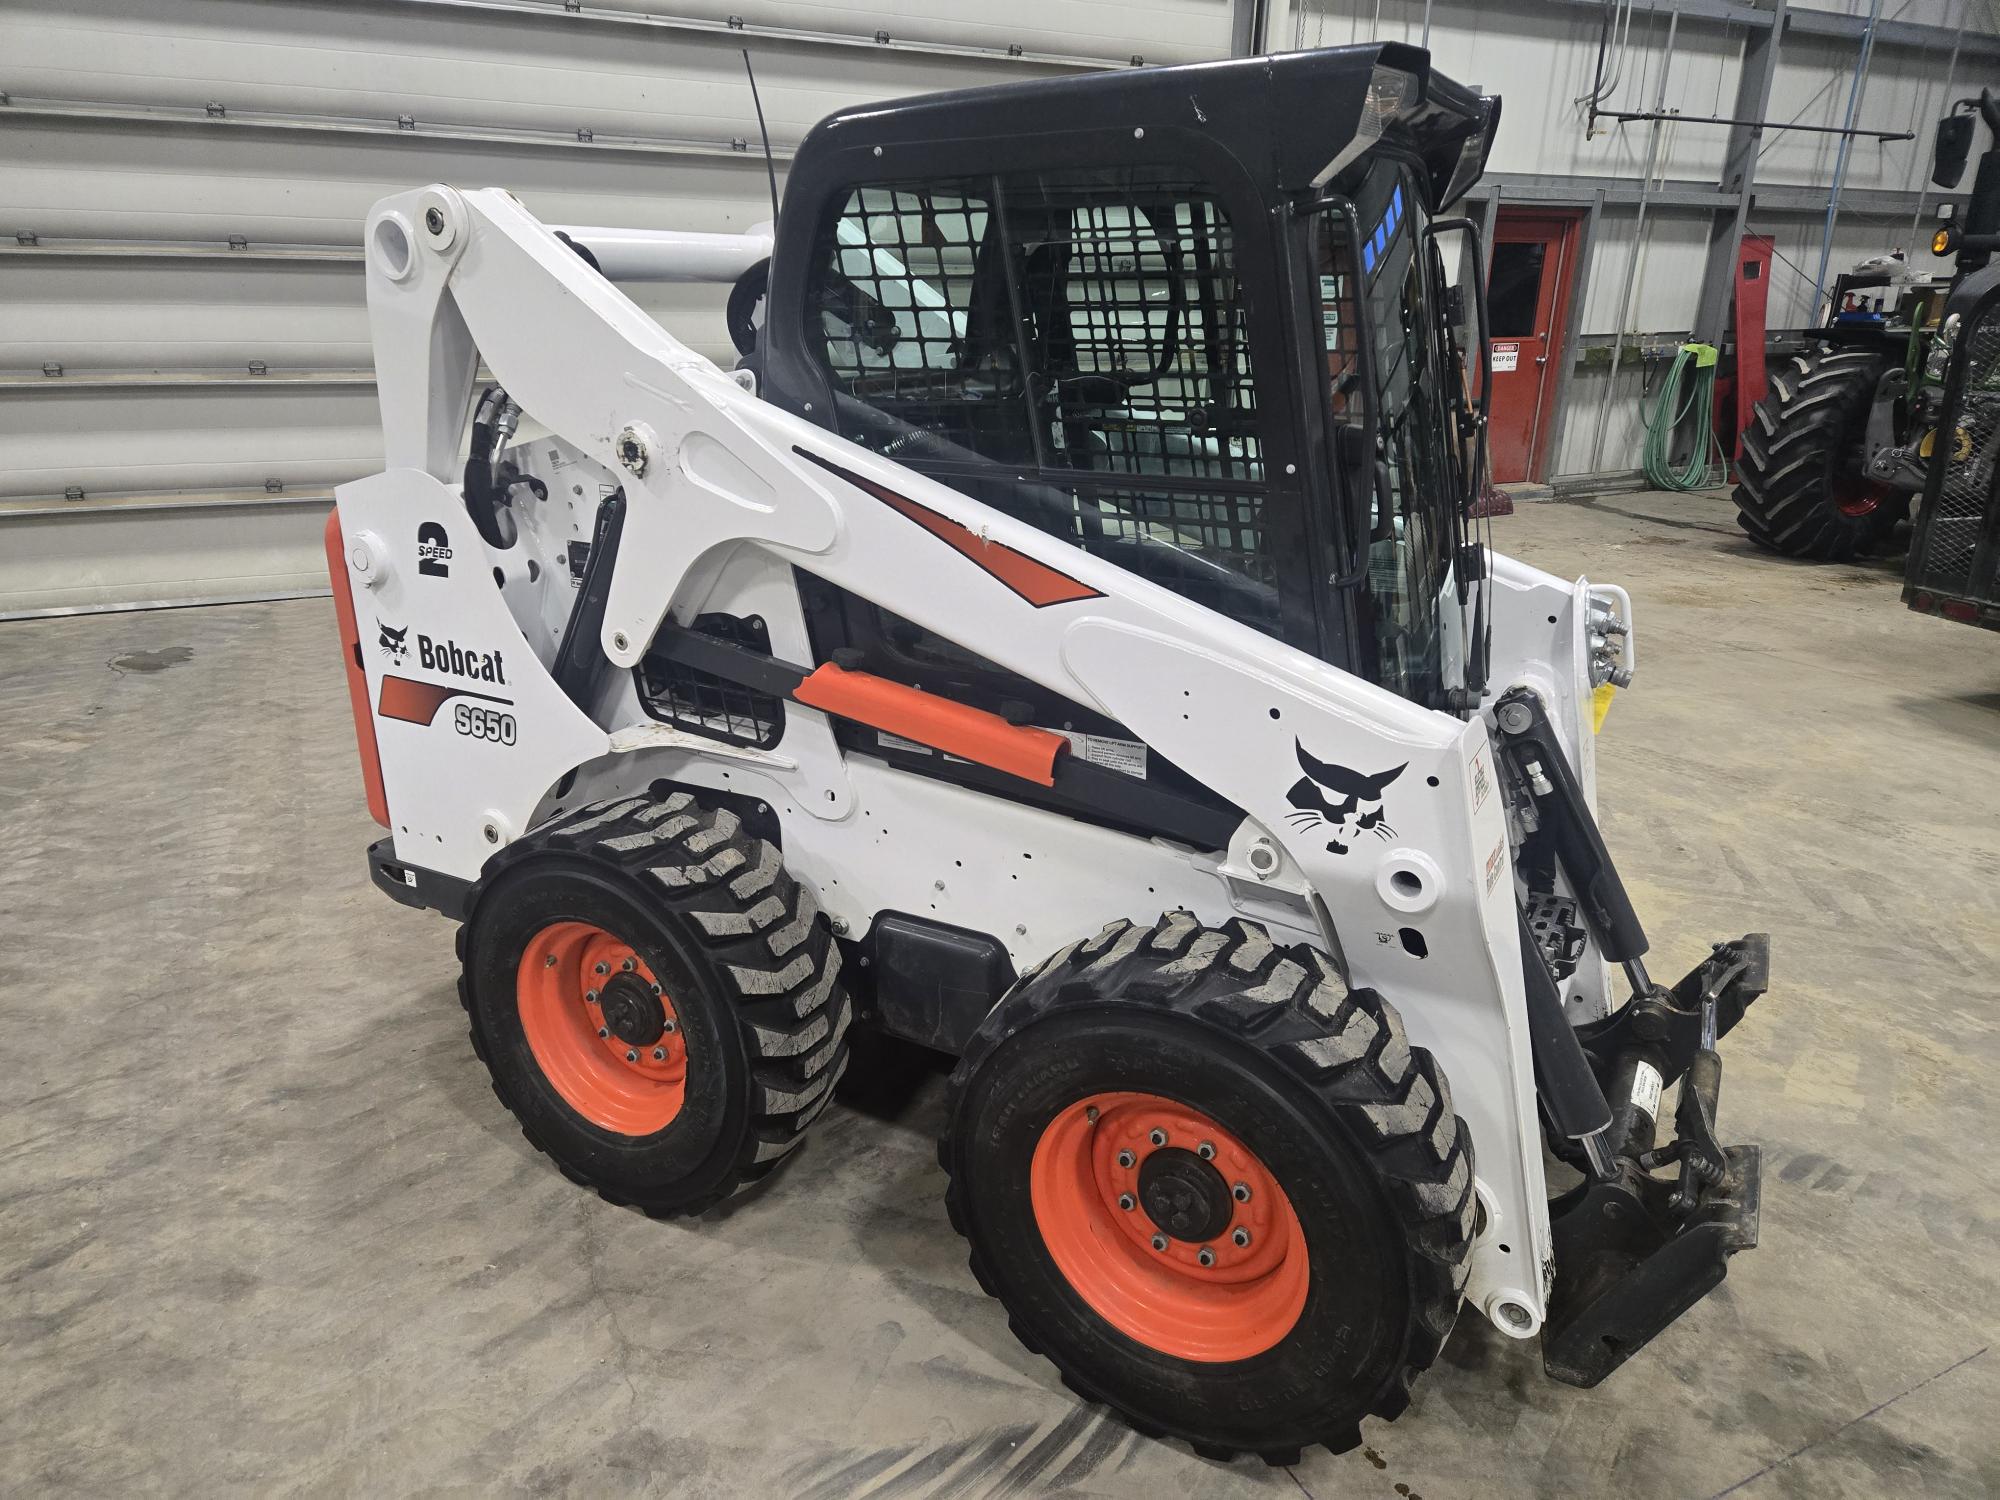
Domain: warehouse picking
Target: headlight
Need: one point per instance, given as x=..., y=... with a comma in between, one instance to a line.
x=1940, y=354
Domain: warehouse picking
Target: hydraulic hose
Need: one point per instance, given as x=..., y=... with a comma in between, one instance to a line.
x=1705, y=464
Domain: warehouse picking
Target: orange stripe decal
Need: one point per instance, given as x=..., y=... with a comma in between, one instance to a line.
x=938, y=722
x=357, y=679
x=418, y=702
x=1036, y=582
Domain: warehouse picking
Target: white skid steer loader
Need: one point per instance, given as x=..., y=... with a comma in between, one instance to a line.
x=1060, y=641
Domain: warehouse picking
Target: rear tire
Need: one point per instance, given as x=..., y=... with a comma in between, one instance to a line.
x=726, y=1030
x=1260, y=1060
x=1801, y=490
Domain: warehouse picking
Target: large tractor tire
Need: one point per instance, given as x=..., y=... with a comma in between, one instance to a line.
x=1801, y=487
x=1215, y=1187
x=656, y=999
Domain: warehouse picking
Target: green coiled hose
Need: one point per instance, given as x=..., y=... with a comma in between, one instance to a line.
x=1705, y=464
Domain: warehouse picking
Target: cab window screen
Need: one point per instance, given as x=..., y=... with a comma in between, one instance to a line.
x=1070, y=348
x=1138, y=352
x=898, y=293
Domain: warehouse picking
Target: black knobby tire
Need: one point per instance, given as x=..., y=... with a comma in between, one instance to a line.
x=1805, y=442
x=1355, y=1125
x=752, y=972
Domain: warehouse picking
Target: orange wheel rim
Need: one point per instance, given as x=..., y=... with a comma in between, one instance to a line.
x=602, y=1029
x=1169, y=1227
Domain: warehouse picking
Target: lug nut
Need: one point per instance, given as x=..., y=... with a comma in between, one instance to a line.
x=1241, y=1192
x=1206, y=1151
x=604, y=1033
x=603, y=969
x=1160, y=1242
x=591, y=996
x=549, y=962
x=631, y=1056
x=1127, y=1202
x=1207, y=1256
x=1090, y=1114
x=629, y=965
x=1126, y=1158
x=1158, y=1137
x=657, y=990
x=669, y=1027
x=1241, y=1238
x=659, y=1054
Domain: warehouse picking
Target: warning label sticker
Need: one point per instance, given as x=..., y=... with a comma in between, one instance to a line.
x=1482, y=780
x=1125, y=756
x=1496, y=865
x=1506, y=357
x=1646, y=1084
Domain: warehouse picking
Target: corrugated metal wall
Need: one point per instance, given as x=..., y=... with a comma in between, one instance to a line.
x=209, y=396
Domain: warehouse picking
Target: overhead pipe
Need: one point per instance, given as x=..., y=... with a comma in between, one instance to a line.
x=1602, y=87
x=1950, y=78
x=1638, y=241
x=1854, y=93
x=1628, y=115
x=1609, y=34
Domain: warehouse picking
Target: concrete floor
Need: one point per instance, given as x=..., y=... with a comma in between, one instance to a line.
x=264, y=1228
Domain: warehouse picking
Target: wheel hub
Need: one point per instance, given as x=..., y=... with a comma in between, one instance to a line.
x=1855, y=495
x=1184, y=1195
x=632, y=1012
x=1169, y=1226
x=601, y=1028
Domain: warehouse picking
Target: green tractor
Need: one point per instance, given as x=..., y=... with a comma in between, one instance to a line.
x=1835, y=453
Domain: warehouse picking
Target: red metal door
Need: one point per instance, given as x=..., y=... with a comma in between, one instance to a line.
x=1527, y=301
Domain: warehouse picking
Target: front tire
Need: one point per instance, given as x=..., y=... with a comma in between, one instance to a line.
x=1801, y=488
x=656, y=1000
x=1217, y=1189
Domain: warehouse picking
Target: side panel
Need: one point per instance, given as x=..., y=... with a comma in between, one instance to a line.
x=1541, y=627
x=1408, y=848
x=470, y=727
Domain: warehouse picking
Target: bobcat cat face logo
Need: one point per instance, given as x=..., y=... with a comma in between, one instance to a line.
x=1345, y=801
x=394, y=643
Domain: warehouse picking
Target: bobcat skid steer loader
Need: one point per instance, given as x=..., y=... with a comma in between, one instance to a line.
x=1058, y=641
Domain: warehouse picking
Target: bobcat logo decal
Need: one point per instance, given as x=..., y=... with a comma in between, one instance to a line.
x=1346, y=801
x=394, y=643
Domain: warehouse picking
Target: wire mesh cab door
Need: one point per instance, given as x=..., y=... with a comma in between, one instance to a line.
x=1954, y=564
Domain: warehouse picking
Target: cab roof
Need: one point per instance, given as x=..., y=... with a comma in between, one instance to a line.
x=1285, y=117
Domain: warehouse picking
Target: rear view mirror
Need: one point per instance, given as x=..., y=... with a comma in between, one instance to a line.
x=1954, y=145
